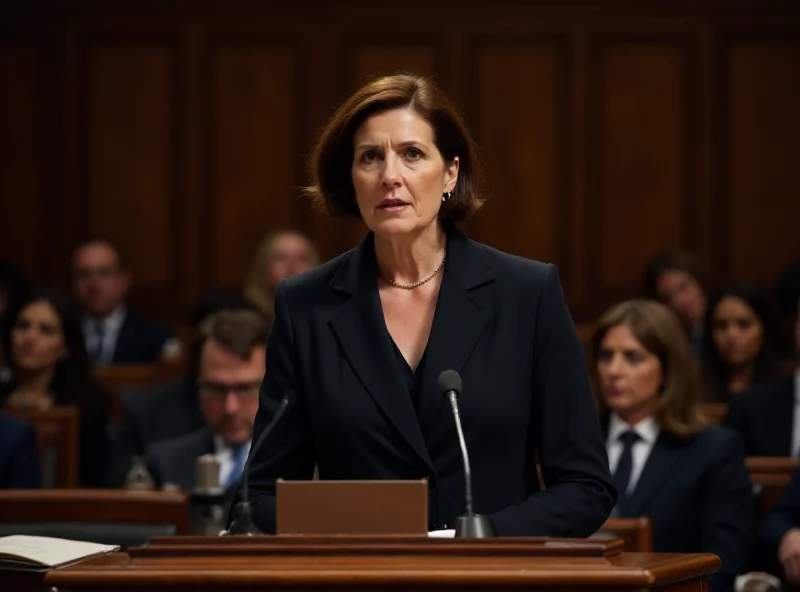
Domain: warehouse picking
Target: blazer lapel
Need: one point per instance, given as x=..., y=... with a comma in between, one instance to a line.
x=361, y=330
x=460, y=319
x=664, y=454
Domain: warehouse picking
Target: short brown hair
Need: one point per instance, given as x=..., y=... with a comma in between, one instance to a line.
x=678, y=260
x=331, y=160
x=658, y=330
x=238, y=331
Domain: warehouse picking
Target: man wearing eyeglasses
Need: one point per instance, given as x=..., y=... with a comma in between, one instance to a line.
x=232, y=349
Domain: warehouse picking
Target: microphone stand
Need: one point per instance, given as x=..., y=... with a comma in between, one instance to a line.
x=470, y=525
x=243, y=514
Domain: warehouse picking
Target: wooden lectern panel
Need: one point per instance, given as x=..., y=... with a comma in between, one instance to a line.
x=381, y=563
x=381, y=507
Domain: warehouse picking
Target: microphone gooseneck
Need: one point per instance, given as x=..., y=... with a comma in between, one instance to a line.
x=464, y=454
x=243, y=520
x=469, y=525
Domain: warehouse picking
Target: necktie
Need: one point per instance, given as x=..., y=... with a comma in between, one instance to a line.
x=97, y=350
x=239, y=458
x=622, y=476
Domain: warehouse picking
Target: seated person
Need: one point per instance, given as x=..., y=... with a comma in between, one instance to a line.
x=112, y=334
x=232, y=360
x=167, y=410
x=666, y=463
x=48, y=367
x=19, y=459
x=738, y=343
x=767, y=417
x=779, y=536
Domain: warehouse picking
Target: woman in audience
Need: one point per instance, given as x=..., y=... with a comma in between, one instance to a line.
x=280, y=255
x=49, y=366
x=680, y=281
x=738, y=348
x=667, y=464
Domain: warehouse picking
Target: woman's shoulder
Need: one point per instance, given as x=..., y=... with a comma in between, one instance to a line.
x=717, y=441
x=516, y=270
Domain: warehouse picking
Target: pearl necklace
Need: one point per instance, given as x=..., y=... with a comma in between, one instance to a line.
x=419, y=283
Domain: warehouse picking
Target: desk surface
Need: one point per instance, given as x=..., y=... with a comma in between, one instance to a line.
x=501, y=563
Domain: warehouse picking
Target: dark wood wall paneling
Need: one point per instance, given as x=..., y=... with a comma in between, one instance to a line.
x=610, y=132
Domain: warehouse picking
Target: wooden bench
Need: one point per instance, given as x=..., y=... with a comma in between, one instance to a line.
x=104, y=516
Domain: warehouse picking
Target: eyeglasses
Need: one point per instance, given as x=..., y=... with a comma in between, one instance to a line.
x=244, y=391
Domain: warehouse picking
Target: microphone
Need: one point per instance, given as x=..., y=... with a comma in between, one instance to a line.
x=470, y=525
x=243, y=520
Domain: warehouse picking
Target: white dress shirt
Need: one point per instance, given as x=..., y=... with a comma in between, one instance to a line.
x=796, y=421
x=648, y=432
x=226, y=459
x=112, y=325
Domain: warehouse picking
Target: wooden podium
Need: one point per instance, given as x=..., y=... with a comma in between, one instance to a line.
x=381, y=563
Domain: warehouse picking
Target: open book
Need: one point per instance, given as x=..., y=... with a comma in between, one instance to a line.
x=43, y=553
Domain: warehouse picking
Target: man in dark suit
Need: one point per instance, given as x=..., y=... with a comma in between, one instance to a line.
x=779, y=536
x=230, y=372
x=113, y=335
x=19, y=459
x=768, y=416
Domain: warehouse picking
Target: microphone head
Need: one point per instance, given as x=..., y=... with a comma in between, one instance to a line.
x=450, y=380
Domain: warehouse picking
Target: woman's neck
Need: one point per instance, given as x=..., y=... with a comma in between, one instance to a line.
x=35, y=385
x=740, y=378
x=411, y=258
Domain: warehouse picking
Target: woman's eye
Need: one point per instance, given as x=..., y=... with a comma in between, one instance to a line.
x=369, y=156
x=413, y=153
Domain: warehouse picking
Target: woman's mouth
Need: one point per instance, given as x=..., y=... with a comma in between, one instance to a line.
x=392, y=205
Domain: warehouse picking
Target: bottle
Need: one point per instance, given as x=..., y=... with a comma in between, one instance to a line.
x=139, y=477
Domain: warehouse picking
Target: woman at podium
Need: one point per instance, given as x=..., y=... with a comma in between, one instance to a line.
x=362, y=339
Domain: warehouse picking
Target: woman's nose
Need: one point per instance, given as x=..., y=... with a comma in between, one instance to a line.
x=390, y=171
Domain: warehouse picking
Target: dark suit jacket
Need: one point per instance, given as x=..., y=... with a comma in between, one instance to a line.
x=19, y=459
x=502, y=323
x=783, y=517
x=163, y=412
x=139, y=341
x=698, y=494
x=764, y=416
x=173, y=461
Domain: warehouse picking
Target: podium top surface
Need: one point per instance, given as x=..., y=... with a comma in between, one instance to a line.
x=370, y=562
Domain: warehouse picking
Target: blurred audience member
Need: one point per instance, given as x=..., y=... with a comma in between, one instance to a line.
x=232, y=365
x=112, y=334
x=13, y=292
x=768, y=415
x=679, y=280
x=779, y=536
x=49, y=366
x=280, y=255
x=168, y=410
x=19, y=458
x=666, y=463
x=738, y=343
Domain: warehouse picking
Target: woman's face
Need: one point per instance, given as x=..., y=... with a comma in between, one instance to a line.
x=738, y=333
x=289, y=255
x=398, y=173
x=683, y=294
x=37, y=338
x=630, y=375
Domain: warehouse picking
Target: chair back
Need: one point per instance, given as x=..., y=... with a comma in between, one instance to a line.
x=636, y=533
x=57, y=435
x=770, y=476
